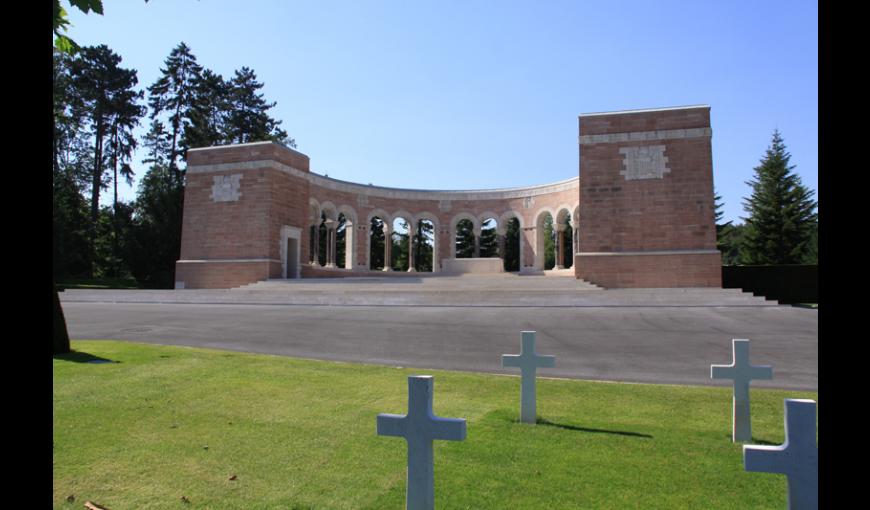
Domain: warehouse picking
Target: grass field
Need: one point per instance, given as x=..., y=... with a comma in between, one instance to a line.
x=159, y=424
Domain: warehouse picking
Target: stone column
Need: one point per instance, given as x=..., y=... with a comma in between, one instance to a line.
x=528, y=246
x=330, y=243
x=361, y=245
x=412, y=231
x=501, y=242
x=315, y=254
x=476, y=242
x=442, y=247
x=388, y=247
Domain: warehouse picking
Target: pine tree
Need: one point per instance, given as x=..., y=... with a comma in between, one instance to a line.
x=464, y=239
x=248, y=120
x=376, y=251
x=104, y=96
x=209, y=112
x=511, y=245
x=726, y=240
x=175, y=93
x=549, y=243
x=781, y=211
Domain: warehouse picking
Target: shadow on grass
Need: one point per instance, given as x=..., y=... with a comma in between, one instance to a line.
x=542, y=421
x=82, y=357
x=755, y=440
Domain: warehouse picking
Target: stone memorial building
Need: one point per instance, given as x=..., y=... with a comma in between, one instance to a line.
x=641, y=211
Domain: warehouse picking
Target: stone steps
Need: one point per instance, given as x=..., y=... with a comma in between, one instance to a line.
x=463, y=291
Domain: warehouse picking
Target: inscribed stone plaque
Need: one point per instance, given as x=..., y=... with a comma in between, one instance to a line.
x=226, y=188
x=644, y=162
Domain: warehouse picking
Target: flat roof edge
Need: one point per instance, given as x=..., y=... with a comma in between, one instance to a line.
x=621, y=112
x=248, y=144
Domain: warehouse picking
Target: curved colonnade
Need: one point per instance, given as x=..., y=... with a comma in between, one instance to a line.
x=340, y=209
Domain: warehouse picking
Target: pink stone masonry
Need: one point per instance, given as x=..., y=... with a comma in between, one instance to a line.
x=635, y=228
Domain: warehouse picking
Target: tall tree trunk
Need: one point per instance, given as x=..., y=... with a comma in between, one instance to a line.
x=95, y=192
x=115, y=202
x=61, y=335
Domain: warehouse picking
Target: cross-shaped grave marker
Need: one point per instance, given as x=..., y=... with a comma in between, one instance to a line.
x=797, y=458
x=419, y=428
x=528, y=361
x=742, y=372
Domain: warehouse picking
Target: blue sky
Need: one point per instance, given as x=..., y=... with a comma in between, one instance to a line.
x=485, y=94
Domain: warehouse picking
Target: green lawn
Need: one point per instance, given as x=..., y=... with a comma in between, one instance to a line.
x=162, y=423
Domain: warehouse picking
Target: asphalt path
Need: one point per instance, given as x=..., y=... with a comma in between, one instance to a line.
x=671, y=345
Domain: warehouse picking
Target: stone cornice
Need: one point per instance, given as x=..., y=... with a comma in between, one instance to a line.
x=646, y=136
x=394, y=193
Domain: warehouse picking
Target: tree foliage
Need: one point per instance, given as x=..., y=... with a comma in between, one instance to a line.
x=781, y=211
x=512, y=245
x=464, y=239
x=376, y=247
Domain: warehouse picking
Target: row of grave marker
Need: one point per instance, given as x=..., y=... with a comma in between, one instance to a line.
x=797, y=458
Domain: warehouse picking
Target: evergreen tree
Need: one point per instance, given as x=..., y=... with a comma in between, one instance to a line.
x=155, y=241
x=341, y=241
x=104, y=96
x=511, y=245
x=549, y=243
x=376, y=249
x=464, y=239
x=174, y=93
x=423, y=246
x=781, y=211
x=399, y=253
x=731, y=251
x=248, y=120
x=209, y=112
x=568, y=245
x=488, y=241
x=725, y=232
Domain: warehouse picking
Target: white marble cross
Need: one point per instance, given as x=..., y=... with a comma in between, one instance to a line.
x=528, y=361
x=742, y=372
x=797, y=458
x=419, y=428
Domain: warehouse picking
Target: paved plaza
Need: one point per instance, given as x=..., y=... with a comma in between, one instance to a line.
x=605, y=335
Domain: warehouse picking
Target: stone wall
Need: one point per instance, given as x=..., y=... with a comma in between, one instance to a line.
x=646, y=199
x=643, y=202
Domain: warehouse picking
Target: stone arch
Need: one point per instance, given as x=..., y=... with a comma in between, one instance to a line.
x=329, y=210
x=379, y=213
x=507, y=215
x=481, y=218
x=313, y=210
x=563, y=213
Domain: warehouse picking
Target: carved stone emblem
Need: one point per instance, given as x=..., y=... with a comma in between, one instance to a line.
x=528, y=202
x=362, y=200
x=444, y=205
x=226, y=188
x=644, y=162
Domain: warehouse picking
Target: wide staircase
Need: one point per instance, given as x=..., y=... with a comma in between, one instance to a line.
x=506, y=289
